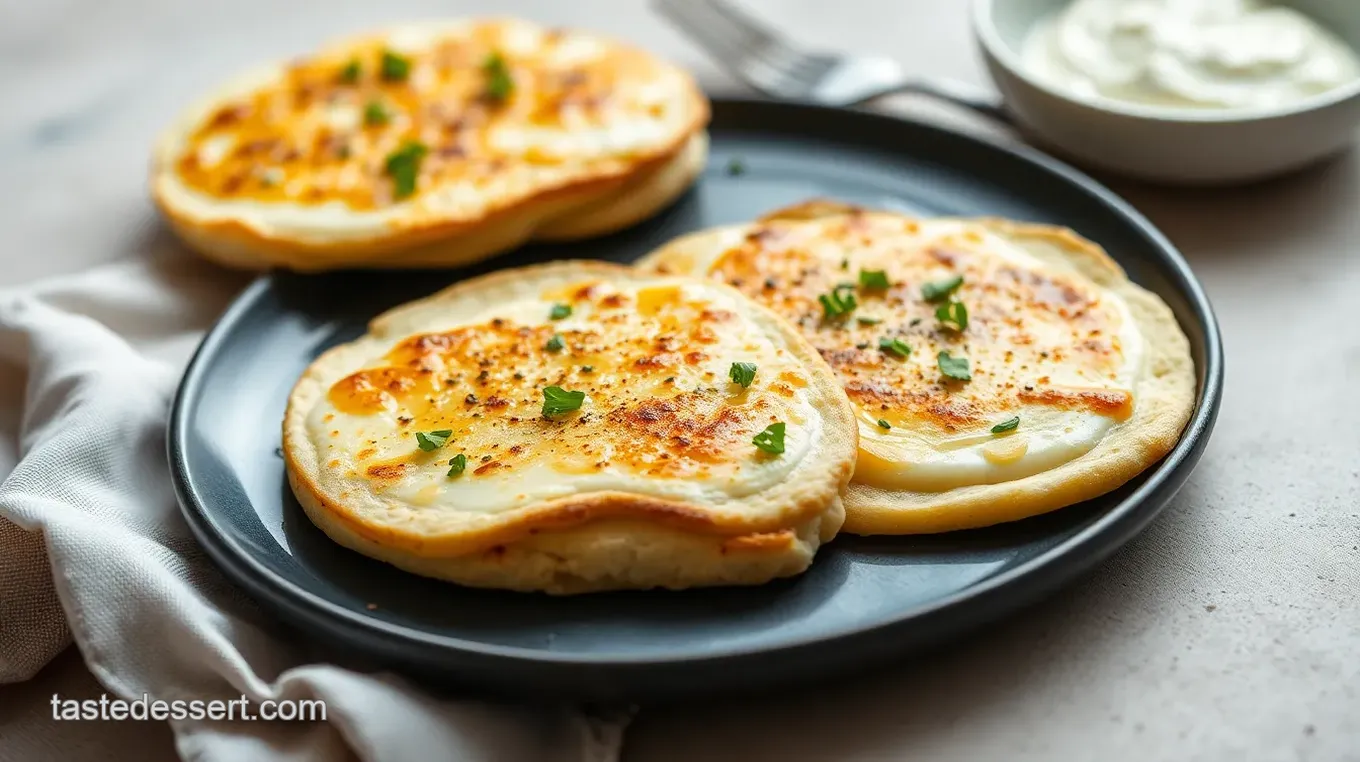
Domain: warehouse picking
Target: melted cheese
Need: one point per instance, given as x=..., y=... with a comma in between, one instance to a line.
x=660, y=415
x=292, y=145
x=1046, y=345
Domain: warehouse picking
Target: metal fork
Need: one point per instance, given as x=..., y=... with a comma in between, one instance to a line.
x=781, y=69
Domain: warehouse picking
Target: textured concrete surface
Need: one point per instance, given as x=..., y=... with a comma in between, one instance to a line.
x=1229, y=630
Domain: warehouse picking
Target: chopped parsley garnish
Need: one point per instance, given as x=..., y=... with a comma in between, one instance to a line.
x=394, y=68
x=375, y=115
x=499, y=83
x=884, y=424
x=845, y=264
x=735, y=167
x=895, y=346
x=1007, y=425
x=555, y=344
x=457, y=464
x=940, y=289
x=559, y=311
x=839, y=303
x=874, y=278
x=954, y=367
x=349, y=73
x=430, y=441
x=866, y=320
x=771, y=440
x=953, y=314
x=557, y=401
x=587, y=368
x=403, y=166
x=742, y=373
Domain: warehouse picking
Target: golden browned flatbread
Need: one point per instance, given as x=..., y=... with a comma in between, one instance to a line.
x=998, y=370
x=434, y=144
x=572, y=427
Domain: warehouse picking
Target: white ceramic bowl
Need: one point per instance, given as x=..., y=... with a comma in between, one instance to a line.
x=1162, y=144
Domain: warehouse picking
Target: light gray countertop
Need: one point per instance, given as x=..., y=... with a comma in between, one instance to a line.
x=1230, y=629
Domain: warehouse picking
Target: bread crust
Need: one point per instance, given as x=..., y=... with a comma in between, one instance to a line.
x=593, y=200
x=1164, y=392
x=548, y=545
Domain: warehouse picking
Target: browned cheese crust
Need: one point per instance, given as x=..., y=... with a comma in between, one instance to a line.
x=1043, y=339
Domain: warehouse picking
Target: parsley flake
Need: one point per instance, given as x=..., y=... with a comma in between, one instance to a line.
x=559, y=311
x=941, y=289
x=587, y=368
x=375, y=115
x=1008, y=425
x=457, y=464
x=394, y=68
x=838, y=303
x=874, y=279
x=742, y=373
x=403, y=166
x=430, y=441
x=349, y=73
x=735, y=167
x=884, y=424
x=867, y=320
x=953, y=315
x=954, y=367
x=557, y=401
x=770, y=440
x=895, y=346
x=499, y=83
x=555, y=344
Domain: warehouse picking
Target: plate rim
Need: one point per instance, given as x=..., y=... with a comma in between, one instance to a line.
x=1028, y=580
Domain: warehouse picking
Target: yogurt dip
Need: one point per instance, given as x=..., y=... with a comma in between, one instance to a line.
x=1195, y=54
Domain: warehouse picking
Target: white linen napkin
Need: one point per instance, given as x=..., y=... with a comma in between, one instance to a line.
x=93, y=547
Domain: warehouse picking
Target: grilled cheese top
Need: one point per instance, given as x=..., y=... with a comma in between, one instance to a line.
x=1043, y=345
x=423, y=124
x=660, y=414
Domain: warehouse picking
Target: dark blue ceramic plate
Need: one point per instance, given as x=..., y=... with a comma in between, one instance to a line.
x=864, y=600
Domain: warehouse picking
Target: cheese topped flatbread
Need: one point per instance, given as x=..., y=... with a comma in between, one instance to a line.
x=431, y=144
x=997, y=370
x=566, y=397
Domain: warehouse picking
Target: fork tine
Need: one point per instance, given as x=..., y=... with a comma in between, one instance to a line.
x=700, y=25
x=751, y=28
x=736, y=50
x=758, y=56
x=774, y=62
x=753, y=36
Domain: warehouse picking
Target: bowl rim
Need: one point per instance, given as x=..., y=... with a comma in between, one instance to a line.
x=984, y=30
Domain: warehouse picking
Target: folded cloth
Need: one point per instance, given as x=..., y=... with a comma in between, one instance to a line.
x=93, y=548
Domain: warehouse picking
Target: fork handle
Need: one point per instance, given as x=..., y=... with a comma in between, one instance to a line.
x=962, y=94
